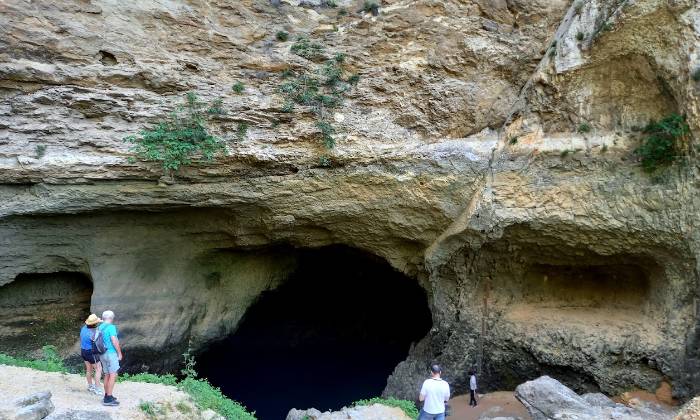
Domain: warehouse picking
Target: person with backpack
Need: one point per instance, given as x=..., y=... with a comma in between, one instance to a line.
x=92, y=365
x=106, y=344
x=434, y=393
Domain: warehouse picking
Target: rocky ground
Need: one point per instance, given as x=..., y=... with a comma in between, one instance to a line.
x=72, y=401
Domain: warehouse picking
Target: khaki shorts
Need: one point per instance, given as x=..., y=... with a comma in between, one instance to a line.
x=110, y=362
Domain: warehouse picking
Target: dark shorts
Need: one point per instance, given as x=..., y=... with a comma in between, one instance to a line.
x=89, y=357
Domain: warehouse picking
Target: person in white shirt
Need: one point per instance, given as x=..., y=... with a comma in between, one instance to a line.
x=472, y=388
x=434, y=394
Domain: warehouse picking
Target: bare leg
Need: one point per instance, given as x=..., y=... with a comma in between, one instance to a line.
x=110, y=378
x=88, y=373
x=98, y=373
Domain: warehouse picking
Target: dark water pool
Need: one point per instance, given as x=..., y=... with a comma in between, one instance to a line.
x=331, y=335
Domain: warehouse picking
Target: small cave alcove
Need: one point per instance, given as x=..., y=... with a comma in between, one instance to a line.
x=330, y=335
x=37, y=309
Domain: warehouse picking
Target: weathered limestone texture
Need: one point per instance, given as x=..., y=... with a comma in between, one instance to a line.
x=544, y=250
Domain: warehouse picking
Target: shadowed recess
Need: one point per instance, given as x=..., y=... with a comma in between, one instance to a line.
x=328, y=336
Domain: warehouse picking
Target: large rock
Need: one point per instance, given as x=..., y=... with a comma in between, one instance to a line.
x=371, y=412
x=547, y=399
x=32, y=407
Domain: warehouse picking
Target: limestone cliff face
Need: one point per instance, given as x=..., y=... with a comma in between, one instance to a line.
x=448, y=164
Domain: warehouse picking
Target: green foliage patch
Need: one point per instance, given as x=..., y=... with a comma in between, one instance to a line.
x=583, y=128
x=50, y=361
x=238, y=87
x=304, y=47
x=282, y=36
x=177, y=140
x=408, y=407
x=322, y=90
x=151, y=378
x=662, y=144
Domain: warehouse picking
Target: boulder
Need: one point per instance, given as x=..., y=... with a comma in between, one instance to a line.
x=368, y=412
x=690, y=411
x=32, y=407
x=80, y=415
x=547, y=399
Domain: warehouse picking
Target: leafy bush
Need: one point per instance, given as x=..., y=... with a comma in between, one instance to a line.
x=304, y=47
x=151, y=378
x=50, y=362
x=207, y=396
x=238, y=87
x=408, y=407
x=513, y=140
x=174, y=142
x=583, y=128
x=580, y=36
x=321, y=90
x=150, y=409
x=40, y=151
x=241, y=130
x=661, y=146
x=282, y=36
x=371, y=6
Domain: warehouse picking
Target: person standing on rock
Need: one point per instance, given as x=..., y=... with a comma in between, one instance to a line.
x=472, y=388
x=111, y=357
x=92, y=365
x=434, y=394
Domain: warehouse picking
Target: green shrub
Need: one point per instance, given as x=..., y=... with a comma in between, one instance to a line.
x=583, y=128
x=216, y=108
x=282, y=36
x=238, y=87
x=174, y=142
x=151, y=378
x=50, y=362
x=242, y=130
x=182, y=407
x=661, y=146
x=564, y=153
x=580, y=36
x=408, y=407
x=305, y=48
x=39, y=151
x=371, y=6
x=150, y=409
x=322, y=90
x=325, y=161
x=513, y=140
x=207, y=397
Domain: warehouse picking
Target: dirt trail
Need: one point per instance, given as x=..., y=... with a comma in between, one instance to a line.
x=70, y=393
x=501, y=403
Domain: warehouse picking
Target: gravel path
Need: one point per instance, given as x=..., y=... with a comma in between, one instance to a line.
x=70, y=393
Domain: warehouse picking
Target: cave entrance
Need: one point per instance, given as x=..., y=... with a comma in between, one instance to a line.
x=37, y=309
x=330, y=335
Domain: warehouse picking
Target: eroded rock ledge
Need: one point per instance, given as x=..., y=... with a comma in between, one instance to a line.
x=451, y=166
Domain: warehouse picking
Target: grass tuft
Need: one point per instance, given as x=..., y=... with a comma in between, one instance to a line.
x=408, y=407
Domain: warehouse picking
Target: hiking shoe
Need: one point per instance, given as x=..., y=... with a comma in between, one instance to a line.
x=91, y=388
x=110, y=401
x=97, y=391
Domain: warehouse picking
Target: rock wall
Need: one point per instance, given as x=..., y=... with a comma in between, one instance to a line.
x=459, y=160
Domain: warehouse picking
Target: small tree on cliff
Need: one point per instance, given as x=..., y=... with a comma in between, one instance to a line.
x=182, y=137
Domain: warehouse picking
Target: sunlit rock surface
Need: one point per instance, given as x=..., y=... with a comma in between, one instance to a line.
x=458, y=160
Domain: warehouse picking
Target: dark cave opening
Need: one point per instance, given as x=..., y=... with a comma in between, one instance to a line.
x=328, y=336
x=37, y=309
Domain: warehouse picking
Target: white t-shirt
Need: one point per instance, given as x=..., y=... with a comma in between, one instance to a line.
x=435, y=392
x=472, y=383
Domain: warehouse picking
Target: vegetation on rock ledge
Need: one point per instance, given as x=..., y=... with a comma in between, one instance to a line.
x=322, y=90
x=179, y=139
x=662, y=145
